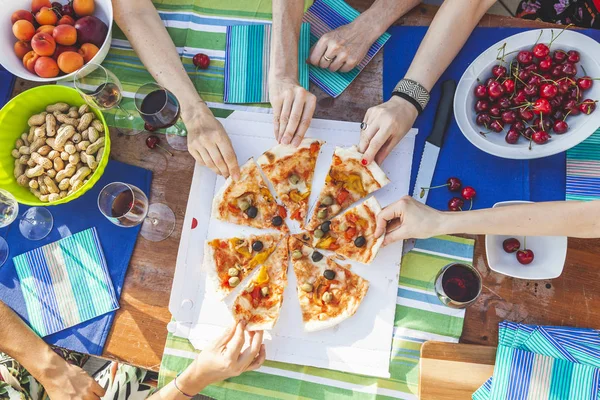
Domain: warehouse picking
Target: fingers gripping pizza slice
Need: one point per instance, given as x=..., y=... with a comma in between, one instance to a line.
x=260, y=301
x=248, y=201
x=348, y=181
x=229, y=261
x=351, y=234
x=328, y=293
x=290, y=169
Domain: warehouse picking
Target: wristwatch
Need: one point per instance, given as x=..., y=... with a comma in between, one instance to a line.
x=413, y=92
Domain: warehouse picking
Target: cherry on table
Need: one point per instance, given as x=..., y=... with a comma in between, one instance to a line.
x=153, y=141
x=511, y=245
x=587, y=106
x=541, y=51
x=540, y=137
x=512, y=136
x=201, y=61
x=525, y=256
x=560, y=127
x=573, y=56
x=525, y=57
x=454, y=184
x=468, y=192
x=585, y=83
x=455, y=204
x=480, y=91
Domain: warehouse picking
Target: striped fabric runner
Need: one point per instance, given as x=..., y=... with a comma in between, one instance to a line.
x=419, y=317
x=65, y=283
x=536, y=362
x=325, y=16
x=247, y=62
x=583, y=170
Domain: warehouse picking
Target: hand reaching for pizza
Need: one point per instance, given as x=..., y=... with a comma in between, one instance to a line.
x=407, y=219
x=386, y=125
x=293, y=109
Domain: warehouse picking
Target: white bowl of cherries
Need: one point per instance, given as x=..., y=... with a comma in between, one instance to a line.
x=531, y=257
x=531, y=95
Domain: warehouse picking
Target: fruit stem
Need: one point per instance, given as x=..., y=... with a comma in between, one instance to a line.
x=542, y=121
x=567, y=114
x=524, y=242
x=471, y=205
x=539, y=37
x=435, y=187
x=159, y=146
x=560, y=33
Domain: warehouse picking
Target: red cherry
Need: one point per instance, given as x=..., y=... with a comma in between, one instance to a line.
x=557, y=71
x=585, y=83
x=454, y=184
x=525, y=114
x=519, y=126
x=587, y=106
x=504, y=102
x=574, y=93
x=495, y=110
x=541, y=51
x=548, y=90
x=511, y=245
x=546, y=64
x=468, y=193
x=520, y=98
x=535, y=80
x=529, y=133
x=559, y=56
x=572, y=107
x=480, y=91
x=201, y=61
x=456, y=204
x=495, y=90
x=153, y=141
x=509, y=117
x=573, y=56
x=558, y=114
x=540, y=137
x=531, y=67
x=542, y=124
x=483, y=119
x=531, y=90
x=57, y=8
x=525, y=57
x=525, y=256
x=560, y=127
x=499, y=71
x=509, y=85
x=194, y=223
x=563, y=86
x=541, y=106
x=67, y=9
x=569, y=69
x=482, y=105
x=512, y=136
x=496, y=126
x=524, y=75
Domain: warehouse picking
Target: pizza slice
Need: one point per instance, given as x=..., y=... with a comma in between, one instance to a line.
x=328, y=293
x=260, y=301
x=348, y=181
x=351, y=234
x=248, y=201
x=229, y=261
x=290, y=169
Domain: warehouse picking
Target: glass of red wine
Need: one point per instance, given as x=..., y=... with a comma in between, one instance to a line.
x=160, y=109
x=458, y=285
x=127, y=206
x=101, y=89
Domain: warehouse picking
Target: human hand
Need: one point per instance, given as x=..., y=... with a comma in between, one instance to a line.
x=386, y=125
x=224, y=359
x=209, y=144
x=343, y=48
x=408, y=219
x=293, y=108
x=62, y=380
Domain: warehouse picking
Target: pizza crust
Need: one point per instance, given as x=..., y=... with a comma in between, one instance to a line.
x=212, y=277
x=374, y=205
x=283, y=150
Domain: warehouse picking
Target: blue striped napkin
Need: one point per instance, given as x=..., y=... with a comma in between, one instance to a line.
x=247, y=51
x=540, y=362
x=325, y=16
x=583, y=169
x=65, y=283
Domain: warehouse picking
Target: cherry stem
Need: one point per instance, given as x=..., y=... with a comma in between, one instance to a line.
x=567, y=114
x=560, y=33
x=524, y=242
x=435, y=187
x=471, y=206
x=160, y=147
x=539, y=37
x=542, y=121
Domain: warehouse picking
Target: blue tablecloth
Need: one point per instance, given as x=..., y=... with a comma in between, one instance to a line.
x=495, y=179
x=75, y=216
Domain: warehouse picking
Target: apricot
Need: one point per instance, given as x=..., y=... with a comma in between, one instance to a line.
x=61, y=49
x=43, y=44
x=21, y=14
x=46, y=67
x=29, y=61
x=65, y=35
x=22, y=48
x=46, y=29
x=84, y=7
x=88, y=51
x=23, y=30
x=46, y=16
x=36, y=5
x=70, y=61
x=66, y=20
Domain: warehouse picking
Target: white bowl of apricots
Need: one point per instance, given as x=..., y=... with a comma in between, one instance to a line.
x=46, y=41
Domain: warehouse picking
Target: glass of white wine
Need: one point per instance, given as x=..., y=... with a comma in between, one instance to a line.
x=9, y=209
x=101, y=89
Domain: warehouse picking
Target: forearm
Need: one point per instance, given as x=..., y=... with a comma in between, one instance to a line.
x=186, y=383
x=450, y=29
x=560, y=218
x=287, y=19
x=382, y=14
x=144, y=29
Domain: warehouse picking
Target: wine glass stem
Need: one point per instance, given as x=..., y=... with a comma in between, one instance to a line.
x=129, y=116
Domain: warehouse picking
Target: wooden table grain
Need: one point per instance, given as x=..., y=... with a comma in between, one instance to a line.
x=139, y=331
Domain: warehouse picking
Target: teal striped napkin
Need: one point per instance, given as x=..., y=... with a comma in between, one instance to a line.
x=325, y=16
x=247, y=53
x=583, y=170
x=65, y=283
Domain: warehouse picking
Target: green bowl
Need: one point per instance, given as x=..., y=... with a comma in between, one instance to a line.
x=13, y=123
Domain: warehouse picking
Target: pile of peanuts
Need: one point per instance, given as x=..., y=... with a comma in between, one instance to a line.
x=60, y=152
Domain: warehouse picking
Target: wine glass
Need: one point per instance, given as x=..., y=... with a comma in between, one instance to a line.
x=9, y=208
x=458, y=285
x=101, y=89
x=127, y=206
x=160, y=109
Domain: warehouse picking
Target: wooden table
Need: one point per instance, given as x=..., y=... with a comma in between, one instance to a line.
x=139, y=331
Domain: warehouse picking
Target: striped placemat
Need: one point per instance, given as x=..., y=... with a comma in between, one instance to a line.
x=247, y=55
x=65, y=283
x=325, y=16
x=419, y=317
x=583, y=170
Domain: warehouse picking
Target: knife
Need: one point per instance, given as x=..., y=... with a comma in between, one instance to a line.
x=434, y=141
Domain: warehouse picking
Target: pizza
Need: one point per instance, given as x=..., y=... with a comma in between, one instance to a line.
x=248, y=201
x=348, y=181
x=328, y=293
x=290, y=170
x=229, y=261
x=351, y=234
x=260, y=301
